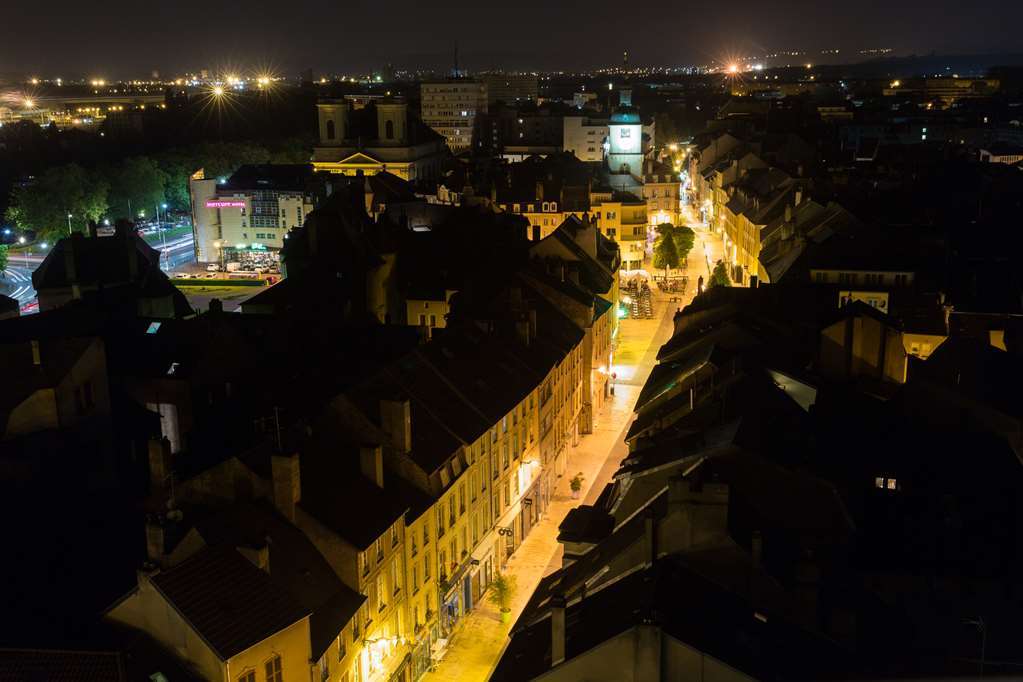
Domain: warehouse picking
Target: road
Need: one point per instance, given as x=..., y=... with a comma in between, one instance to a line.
x=480, y=637
x=16, y=282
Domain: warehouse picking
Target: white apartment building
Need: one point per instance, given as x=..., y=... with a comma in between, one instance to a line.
x=450, y=108
x=584, y=137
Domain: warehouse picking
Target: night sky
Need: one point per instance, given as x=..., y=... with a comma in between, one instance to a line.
x=122, y=38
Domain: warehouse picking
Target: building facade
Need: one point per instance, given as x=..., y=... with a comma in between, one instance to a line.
x=450, y=109
x=381, y=136
x=247, y=216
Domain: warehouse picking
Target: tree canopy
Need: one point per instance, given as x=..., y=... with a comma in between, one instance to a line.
x=3, y=258
x=666, y=253
x=136, y=186
x=44, y=205
x=719, y=277
x=683, y=237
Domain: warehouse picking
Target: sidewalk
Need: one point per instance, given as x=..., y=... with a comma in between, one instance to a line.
x=480, y=638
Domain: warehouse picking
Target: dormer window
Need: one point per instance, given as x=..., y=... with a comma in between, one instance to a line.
x=886, y=483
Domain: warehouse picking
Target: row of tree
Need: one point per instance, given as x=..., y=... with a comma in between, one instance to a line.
x=139, y=184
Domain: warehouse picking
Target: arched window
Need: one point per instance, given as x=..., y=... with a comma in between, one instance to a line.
x=330, y=130
x=389, y=130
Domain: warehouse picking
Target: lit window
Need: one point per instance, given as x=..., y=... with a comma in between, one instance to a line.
x=247, y=676
x=274, y=670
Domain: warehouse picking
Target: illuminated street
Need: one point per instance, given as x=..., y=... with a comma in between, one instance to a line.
x=480, y=638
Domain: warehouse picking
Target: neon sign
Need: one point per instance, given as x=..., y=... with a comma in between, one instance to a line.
x=225, y=204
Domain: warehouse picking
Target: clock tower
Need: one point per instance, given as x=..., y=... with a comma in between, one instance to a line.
x=625, y=142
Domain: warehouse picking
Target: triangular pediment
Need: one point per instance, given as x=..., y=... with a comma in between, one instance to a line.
x=359, y=158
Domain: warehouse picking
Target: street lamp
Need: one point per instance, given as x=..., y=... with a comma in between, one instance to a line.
x=69, y=224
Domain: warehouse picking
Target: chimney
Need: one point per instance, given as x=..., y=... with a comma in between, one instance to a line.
x=799, y=196
x=561, y=271
x=287, y=483
x=557, y=629
x=37, y=357
x=155, y=541
x=536, y=233
x=396, y=420
x=159, y=467
x=371, y=461
x=539, y=190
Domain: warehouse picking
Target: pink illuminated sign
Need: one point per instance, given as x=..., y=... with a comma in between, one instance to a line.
x=225, y=204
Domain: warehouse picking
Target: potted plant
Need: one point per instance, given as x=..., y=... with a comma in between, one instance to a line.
x=502, y=591
x=576, y=484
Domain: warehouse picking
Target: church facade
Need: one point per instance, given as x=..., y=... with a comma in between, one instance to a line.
x=383, y=136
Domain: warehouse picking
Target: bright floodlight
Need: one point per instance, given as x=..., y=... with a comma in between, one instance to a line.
x=29, y=103
x=218, y=90
x=733, y=68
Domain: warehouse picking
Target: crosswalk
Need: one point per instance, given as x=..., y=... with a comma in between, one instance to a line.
x=21, y=279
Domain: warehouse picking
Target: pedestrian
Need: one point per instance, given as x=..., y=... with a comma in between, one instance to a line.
x=699, y=285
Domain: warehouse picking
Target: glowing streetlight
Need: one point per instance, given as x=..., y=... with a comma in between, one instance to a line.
x=218, y=90
x=44, y=245
x=29, y=103
x=733, y=68
x=21, y=240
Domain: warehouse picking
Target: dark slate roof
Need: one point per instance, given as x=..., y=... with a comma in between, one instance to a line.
x=97, y=260
x=333, y=485
x=689, y=607
x=280, y=177
x=295, y=564
x=229, y=602
x=121, y=269
x=975, y=370
x=8, y=304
